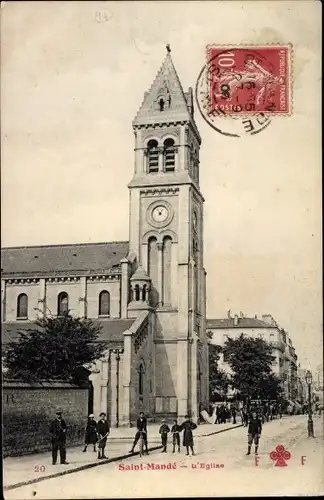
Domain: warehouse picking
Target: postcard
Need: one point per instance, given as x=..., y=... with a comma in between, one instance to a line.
x=161, y=290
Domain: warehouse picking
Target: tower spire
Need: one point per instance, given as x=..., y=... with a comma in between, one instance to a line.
x=168, y=48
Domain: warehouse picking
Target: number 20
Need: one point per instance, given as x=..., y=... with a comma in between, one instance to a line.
x=39, y=468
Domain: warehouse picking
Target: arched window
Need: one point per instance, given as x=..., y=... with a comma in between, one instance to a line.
x=144, y=292
x=22, y=306
x=137, y=292
x=166, y=270
x=104, y=303
x=141, y=381
x=152, y=259
x=62, y=304
x=196, y=289
x=153, y=156
x=169, y=155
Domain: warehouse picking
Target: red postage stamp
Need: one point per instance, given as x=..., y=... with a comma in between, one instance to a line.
x=249, y=80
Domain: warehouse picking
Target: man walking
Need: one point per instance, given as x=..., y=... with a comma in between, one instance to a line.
x=58, y=432
x=141, y=425
x=218, y=415
x=103, y=433
x=233, y=411
x=254, y=432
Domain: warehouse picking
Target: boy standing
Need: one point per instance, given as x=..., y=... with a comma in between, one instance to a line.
x=175, y=431
x=164, y=429
x=141, y=428
x=254, y=432
x=103, y=432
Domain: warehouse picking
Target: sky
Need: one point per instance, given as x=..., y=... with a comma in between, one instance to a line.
x=73, y=77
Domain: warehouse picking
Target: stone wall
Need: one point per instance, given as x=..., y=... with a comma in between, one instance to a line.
x=28, y=410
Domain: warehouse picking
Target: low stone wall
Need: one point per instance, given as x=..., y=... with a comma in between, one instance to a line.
x=28, y=410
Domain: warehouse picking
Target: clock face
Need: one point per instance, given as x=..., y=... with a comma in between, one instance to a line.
x=160, y=213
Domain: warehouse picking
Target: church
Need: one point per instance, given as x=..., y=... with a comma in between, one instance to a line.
x=148, y=293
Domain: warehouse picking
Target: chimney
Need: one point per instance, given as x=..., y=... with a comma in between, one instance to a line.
x=229, y=313
x=235, y=320
x=267, y=318
x=255, y=316
x=241, y=314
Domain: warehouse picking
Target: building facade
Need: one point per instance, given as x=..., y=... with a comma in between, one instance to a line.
x=148, y=293
x=285, y=362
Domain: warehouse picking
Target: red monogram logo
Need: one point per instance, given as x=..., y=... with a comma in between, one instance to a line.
x=280, y=455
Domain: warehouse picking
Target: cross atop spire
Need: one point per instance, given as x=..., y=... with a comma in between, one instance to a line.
x=168, y=48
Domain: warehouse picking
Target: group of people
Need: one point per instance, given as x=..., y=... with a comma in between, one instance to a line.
x=224, y=414
x=266, y=412
x=187, y=427
x=96, y=434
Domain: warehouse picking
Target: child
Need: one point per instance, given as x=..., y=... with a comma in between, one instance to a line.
x=164, y=429
x=103, y=432
x=254, y=432
x=175, y=435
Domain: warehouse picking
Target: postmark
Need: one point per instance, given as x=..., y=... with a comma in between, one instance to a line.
x=245, y=85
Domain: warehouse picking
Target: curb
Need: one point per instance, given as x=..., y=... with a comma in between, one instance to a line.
x=222, y=430
x=97, y=464
x=76, y=469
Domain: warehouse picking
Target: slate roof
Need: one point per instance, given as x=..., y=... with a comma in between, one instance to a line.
x=242, y=323
x=112, y=330
x=140, y=274
x=56, y=260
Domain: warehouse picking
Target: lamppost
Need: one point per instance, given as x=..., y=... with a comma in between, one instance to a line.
x=310, y=425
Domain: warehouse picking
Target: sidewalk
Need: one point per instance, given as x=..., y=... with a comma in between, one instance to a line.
x=19, y=471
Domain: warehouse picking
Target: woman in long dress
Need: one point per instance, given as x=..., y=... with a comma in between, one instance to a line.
x=91, y=436
x=187, y=427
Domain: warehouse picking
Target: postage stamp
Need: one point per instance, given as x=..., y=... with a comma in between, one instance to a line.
x=248, y=85
x=249, y=80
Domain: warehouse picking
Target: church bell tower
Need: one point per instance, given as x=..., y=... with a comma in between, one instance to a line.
x=166, y=235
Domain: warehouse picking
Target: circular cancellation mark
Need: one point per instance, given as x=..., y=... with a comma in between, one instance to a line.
x=240, y=88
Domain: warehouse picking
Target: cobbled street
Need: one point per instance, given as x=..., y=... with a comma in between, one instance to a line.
x=220, y=468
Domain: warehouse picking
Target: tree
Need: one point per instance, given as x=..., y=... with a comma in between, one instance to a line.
x=55, y=348
x=251, y=362
x=270, y=387
x=218, y=379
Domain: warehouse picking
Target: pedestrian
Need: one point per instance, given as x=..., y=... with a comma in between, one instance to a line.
x=188, y=426
x=91, y=436
x=218, y=415
x=58, y=430
x=103, y=432
x=254, y=432
x=164, y=429
x=141, y=425
x=244, y=415
x=234, y=414
x=175, y=431
x=271, y=411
